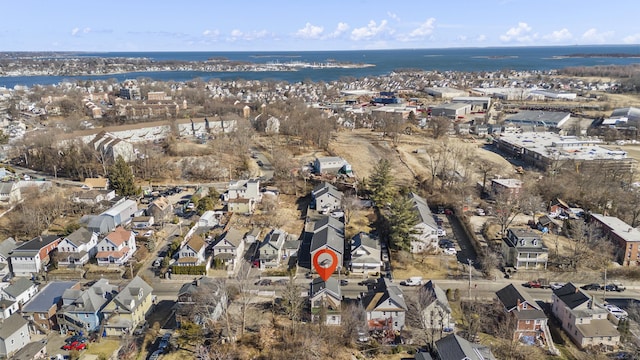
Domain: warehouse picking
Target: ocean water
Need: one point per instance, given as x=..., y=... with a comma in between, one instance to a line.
x=385, y=61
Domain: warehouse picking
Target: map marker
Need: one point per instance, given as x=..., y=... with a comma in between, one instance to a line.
x=325, y=262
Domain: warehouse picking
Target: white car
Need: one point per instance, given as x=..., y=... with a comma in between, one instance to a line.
x=148, y=233
x=556, y=286
x=441, y=232
x=480, y=212
x=616, y=311
x=450, y=251
x=337, y=214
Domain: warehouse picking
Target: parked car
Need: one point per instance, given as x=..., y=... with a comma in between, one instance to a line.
x=76, y=337
x=344, y=282
x=445, y=243
x=441, y=231
x=556, y=286
x=337, y=214
x=76, y=345
x=156, y=355
x=616, y=311
x=537, y=284
x=263, y=282
x=260, y=163
x=281, y=282
x=367, y=282
x=412, y=281
x=480, y=212
x=164, y=342
x=450, y=251
x=593, y=286
x=613, y=287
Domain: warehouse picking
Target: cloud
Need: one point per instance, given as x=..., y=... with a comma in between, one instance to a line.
x=75, y=31
x=393, y=16
x=370, y=31
x=211, y=33
x=559, y=36
x=520, y=33
x=425, y=29
x=632, y=39
x=593, y=36
x=247, y=36
x=481, y=38
x=310, y=31
x=340, y=29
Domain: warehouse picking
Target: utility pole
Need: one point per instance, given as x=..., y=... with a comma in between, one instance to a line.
x=604, y=298
x=470, y=262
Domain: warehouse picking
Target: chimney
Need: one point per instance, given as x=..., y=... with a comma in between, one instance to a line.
x=518, y=307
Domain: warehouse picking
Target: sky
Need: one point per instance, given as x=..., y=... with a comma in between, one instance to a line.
x=302, y=25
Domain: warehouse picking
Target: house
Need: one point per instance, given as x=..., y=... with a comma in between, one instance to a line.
x=6, y=247
x=14, y=295
x=328, y=233
x=93, y=197
x=116, y=248
x=510, y=188
x=41, y=309
x=290, y=247
x=32, y=351
x=366, y=254
x=326, y=197
x=455, y=347
x=548, y=120
x=530, y=320
x=243, y=195
x=142, y=222
x=584, y=320
x=436, y=313
x=524, y=249
x=96, y=183
x=385, y=306
x=426, y=230
x=192, y=252
x=110, y=146
x=625, y=237
x=252, y=236
x=270, y=249
x=10, y=192
x=331, y=165
x=209, y=219
x=77, y=248
x=558, y=207
x=81, y=310
x=547, y=224
x=128, y=308
x=325, y=298
x=161, y=209
x=14, y=335
x=29, y=257
x=229, y=249
x=122, y=212
x=208, y=293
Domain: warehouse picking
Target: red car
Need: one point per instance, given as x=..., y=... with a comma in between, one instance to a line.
x=76, y=345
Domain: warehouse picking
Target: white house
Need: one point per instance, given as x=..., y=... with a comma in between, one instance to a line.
x=29, y=257
x=116, y=248
x=330, y=165
x=14, y=335
x=437, y=311
x=16, y=294
x=9, y=192
x=385, y=306
x=243, y=195
x=426, y=230
x=325, y=298
x=326, y=197
x=6, y=247
x=192, y=252
x=77, y=248
x=271, y=249
x=229, y=249
x=585, y=321
x=365, y=254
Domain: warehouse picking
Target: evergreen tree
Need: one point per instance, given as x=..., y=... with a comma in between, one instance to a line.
x=121, y=178
x=380, y=183
x=402, y=219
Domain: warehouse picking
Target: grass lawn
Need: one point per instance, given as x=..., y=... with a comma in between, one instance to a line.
x=104, y=347
x=428, y=266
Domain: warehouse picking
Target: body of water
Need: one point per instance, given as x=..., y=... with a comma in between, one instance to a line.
x=385, y=61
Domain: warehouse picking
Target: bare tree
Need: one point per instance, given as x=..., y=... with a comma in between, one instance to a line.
x=353, y=321
x=507, y=208
x=350, y=204
x=531, y=204
x=439, y=126
x=292, y=303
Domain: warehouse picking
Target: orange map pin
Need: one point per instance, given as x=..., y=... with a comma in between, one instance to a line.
x=325, y=265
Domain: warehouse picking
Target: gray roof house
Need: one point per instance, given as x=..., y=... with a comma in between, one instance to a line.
x=524, y=249
x=329, y=165
x=328, y=233
x=128, y=308
x=6, y=247
x=14, y=334
x=193, y=293
x=426, y=229
x=325, y=298
x=15, y=295
x=29, y=257
x=41, y=309
x=77, y=248
x=271, y=249
x=326, y=197
x=81, y=309
x=31, y=351
x=229, y=248
x=366, y=253
x=454, y=347
x=437, y=311
x=385, y=306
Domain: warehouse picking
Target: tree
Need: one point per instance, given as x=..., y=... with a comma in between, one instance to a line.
x=190, y=334
x=439, y=126
x=292, y=303
x=121, y=178
x=401, y=220
x=354, y=320
x=506, y=208
x=382, y=191
x=531, y=204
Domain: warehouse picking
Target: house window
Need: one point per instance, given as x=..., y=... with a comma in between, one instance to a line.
x=524, y=305
x=384, y=313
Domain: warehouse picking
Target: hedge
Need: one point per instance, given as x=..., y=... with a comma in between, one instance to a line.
x=189, y=270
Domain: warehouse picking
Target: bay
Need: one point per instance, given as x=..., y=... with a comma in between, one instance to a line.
x=385, y=61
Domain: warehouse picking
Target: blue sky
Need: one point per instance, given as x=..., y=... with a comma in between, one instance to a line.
x=270, y=25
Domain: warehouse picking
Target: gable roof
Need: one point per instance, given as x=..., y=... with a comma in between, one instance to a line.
x=421, y=208
x=18, y=287
x=128, y=299
x=275, y=238
x=366, y=240
x=571, y=296
x=36, y=243
x=119, y=236
x=80, y=236
x=454, y=347
x=438, y=294
x=326, y=188
x=90, y=300
x=382, y=291
x=96, y=182
x=233, y=236
x=330, y=237
x=329, y=221
x=331, y=285
x=11, y=324
x=7, y=246
x=509, y=296
x=161, y=203
x=196, y=243
x=202, y=284
x=50, y=295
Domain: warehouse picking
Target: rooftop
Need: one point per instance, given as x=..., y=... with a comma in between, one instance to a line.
x=50, y=295
x=619, y=227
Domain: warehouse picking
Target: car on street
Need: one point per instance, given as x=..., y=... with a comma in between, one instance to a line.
x=445, y=243
x=337, y=214
x=76, y=345
x=593, y=286
x=412, y=281
x=281, y=282
x=556, y=286
x=367, y=282
x=263, y=282
x=76, y=337
x=613, y=287
x=344, y=282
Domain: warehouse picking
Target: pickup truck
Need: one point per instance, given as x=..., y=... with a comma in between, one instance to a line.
x=412, y=281
x=538, y=284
